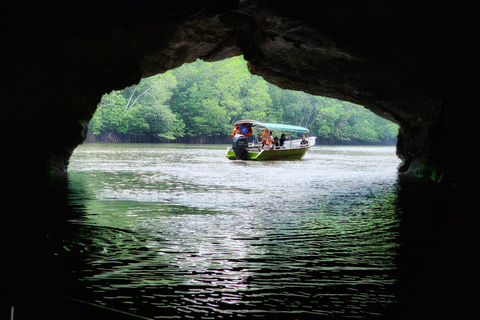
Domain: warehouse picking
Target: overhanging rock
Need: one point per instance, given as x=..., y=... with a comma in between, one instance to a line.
x=414, y=66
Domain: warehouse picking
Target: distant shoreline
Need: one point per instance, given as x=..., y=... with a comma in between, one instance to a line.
x=227, y=140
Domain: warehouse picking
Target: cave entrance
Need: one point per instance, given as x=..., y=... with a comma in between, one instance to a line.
x=198, y=102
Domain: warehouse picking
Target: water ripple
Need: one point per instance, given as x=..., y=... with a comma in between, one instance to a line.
x=181, y=232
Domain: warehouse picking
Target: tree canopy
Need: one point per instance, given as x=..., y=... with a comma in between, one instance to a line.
x=203, y=99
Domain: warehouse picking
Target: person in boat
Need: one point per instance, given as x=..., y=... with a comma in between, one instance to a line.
x=304, y=142
x=236, y=130
x=244, y=129
x=282, y=140
x=266, y=139
x=276, y=143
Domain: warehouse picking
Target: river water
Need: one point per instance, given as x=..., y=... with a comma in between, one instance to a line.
x=172, y=231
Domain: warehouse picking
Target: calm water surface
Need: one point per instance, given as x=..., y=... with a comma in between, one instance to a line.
x=179, y=231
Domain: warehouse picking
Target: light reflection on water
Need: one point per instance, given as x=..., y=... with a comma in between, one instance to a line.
x=180, y=231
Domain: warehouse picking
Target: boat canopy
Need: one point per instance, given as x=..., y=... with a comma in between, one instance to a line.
x=271, y=126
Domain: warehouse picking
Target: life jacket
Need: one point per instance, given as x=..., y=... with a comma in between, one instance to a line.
x=266, y=137
x=243, y=128
x=236, y=131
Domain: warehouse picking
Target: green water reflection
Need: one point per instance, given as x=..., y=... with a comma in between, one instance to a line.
x=136, y=230
x=241, y=238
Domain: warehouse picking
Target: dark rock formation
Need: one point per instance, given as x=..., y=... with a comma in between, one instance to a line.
x=413, y=64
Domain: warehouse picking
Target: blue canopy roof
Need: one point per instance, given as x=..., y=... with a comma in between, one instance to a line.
x=272, y=126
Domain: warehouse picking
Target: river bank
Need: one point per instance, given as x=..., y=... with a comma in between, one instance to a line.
x=219, y=139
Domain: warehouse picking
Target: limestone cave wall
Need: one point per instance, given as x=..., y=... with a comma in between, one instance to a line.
x=414, y=64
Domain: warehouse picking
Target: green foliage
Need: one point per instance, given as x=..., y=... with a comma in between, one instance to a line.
x=140, y=110
x=205, y=99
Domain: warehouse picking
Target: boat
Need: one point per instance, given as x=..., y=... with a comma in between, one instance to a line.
x=263, y=149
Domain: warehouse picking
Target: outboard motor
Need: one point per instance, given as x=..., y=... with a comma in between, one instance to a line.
x=239, y=146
